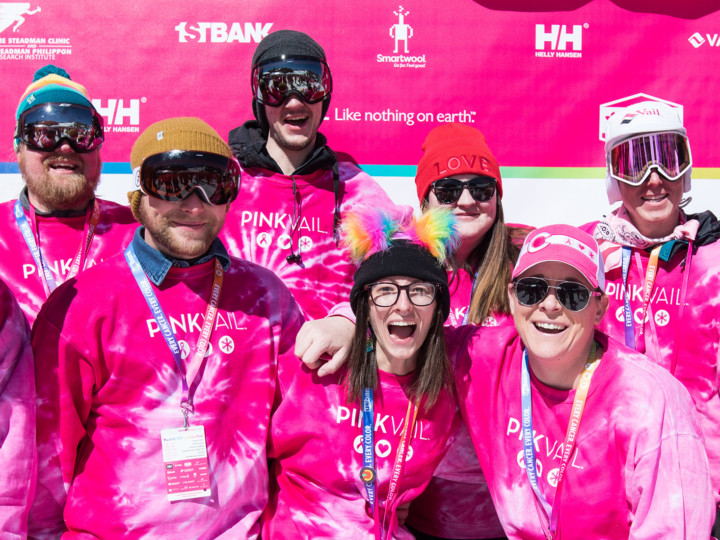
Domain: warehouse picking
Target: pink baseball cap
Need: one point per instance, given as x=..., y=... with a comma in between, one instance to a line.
x=565, y=244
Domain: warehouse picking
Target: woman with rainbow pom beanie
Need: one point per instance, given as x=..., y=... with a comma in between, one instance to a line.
x=333, y=478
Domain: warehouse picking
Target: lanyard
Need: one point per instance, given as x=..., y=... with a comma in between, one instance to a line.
x=647, y=289
x=453, y=318
x=198, y=357
x=49, y=284
x=368, y=473
x=553, y=513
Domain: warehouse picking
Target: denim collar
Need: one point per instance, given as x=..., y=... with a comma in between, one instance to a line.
x=156, y=265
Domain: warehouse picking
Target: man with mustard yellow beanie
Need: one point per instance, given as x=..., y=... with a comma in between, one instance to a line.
x=156, y=369
x=57, y=227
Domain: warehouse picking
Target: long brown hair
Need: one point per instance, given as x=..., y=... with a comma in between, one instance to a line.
x=432, y=373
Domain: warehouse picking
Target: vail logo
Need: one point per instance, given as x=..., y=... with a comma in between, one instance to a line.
x=612, y=107
x=401, y=32
x=13, y=13
x=116, y=112
x=217, y=32
x=697, y=40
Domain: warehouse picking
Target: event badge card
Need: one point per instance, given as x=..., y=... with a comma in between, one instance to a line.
x=186, y=464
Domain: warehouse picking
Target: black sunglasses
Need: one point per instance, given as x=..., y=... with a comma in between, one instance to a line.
x=572, y=295
x=449, y=190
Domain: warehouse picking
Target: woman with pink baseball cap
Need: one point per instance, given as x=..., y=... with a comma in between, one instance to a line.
x=578, y=435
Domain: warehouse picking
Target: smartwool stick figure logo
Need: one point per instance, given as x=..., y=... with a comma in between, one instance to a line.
x=401, y=31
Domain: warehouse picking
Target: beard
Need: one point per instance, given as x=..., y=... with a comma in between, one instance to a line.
x=161, y=234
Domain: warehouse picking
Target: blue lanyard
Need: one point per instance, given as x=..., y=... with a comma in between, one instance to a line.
x=627, y=309
x=368, y=473
x=29, y=237
x=143, y=282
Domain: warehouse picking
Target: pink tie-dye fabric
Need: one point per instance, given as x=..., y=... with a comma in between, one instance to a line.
x=457, y=502
x=692, y=341
x=316, y=455
x=59, y=240
x=639, y=469
x=108, y=384
x=18, y=472
x=261, y=230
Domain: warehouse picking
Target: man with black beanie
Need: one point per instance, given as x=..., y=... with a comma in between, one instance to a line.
x=293, y=188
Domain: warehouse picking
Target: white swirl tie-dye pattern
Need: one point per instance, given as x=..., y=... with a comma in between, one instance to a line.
x=60, y=238
x=17, y=419
x=639, y=469
x=316, y=455
x=261, y=230
x=108, y=384
x=693, y=341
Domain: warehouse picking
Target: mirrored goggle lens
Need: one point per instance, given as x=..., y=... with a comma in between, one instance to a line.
x=632, y=161
x=46, y=126
x=449, y=190
x=573, y=296
x=173, y=176
x=273, y=82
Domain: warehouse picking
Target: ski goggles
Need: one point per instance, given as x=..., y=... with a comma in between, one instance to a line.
x=273, y=81
x=173, y=176
x=44, y=127
x=632, y=160
x=449, y=190
x=572, y=295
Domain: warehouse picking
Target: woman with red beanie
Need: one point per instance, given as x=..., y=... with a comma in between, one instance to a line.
x=458, y=171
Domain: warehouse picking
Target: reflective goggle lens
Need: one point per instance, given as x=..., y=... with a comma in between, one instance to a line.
x=449, y=190
x=632, y=160
x=274, y=81
x=173, y=176
x=572, y=295
x=46, y=126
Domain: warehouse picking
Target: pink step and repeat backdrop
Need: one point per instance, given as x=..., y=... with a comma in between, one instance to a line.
x=537, y=77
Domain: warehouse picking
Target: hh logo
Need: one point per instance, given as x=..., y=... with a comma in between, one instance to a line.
x=11, y=14
x=698, y=40
x=558, y=37
x=116, y=111
x=401, y=32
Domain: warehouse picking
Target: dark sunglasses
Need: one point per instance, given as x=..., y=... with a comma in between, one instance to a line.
x=449, y=190
x=173, y=176
x=273, y=81
x=45, y=127
x=572, y=295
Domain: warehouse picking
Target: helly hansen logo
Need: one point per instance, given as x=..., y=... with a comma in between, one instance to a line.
x=557, y=37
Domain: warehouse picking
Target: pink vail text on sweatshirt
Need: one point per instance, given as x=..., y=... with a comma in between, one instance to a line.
x=457, y=502
x=639, y=468
x=285, y=215
x=59, y=239
x=108, y=385
x=692, y=341
x=316, y=452
x=17, y=419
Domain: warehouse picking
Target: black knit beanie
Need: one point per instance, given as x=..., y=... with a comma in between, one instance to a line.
x=402, y=258
x=288, y=44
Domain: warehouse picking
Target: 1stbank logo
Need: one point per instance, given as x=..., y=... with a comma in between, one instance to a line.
x=116, y=112
x=697, y=40
x=612, y=107
x=401, y=33
x=218, y=32
x=12, y=16
x=552, y=41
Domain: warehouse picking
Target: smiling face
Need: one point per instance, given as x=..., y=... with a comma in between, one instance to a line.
x=293, y=125
x=185, y=229
x=557, y=340
x=654, y=205
x=61, y=179
x=474, y=218
x=400, y=330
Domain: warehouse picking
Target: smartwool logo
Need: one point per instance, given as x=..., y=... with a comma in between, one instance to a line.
x=401, y=33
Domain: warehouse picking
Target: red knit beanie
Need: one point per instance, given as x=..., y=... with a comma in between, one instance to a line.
x=452, y=149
